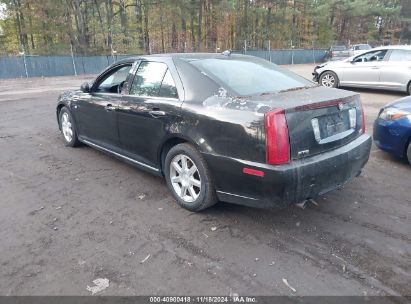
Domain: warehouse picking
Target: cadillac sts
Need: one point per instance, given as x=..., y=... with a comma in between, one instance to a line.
x=221, y=127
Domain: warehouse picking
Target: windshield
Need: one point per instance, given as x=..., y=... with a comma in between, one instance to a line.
x=250, y=75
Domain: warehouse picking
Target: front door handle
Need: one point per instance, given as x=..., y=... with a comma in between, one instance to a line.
x=110, y=107
x=376, y=67
x=157, y=113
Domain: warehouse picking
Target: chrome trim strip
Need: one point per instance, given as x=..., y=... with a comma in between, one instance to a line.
x=120, y=155
x=227, y=193
x=153, y=97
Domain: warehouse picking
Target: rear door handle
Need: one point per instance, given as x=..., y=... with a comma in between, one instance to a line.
x=376, y=67
x=156, y=113
x=110, y=107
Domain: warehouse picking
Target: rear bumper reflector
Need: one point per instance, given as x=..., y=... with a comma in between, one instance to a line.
x=253, y=172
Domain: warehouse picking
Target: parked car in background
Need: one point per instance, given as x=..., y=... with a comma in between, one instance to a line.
x=223, y=127
x=337, y=52
x=392, y=128
x=357, y=49
x=387, y=68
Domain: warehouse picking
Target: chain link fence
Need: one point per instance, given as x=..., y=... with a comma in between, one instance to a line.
x=48, y=66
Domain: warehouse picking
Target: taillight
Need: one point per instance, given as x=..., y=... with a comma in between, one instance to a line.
x=363, y=120
x=277, y=141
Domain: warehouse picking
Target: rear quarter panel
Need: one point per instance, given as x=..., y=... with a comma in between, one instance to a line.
x=225, y=132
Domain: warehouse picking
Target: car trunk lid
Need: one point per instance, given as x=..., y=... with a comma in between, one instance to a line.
x=319, y=119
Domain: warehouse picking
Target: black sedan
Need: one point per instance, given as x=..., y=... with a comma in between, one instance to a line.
x=221, y=127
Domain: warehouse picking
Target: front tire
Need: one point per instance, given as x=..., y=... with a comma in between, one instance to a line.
x=68, y=128
x=409, y=88
x=189, y=178
x=409, y=152
x=329, y=79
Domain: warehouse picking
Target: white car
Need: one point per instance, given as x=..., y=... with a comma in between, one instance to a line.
x=387, y=68
x=357, y=49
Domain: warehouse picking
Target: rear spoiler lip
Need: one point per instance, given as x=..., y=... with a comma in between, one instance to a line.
x=325, y=104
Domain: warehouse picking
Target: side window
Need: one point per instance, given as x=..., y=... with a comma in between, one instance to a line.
x=168, y=87
x=400, y=55
x=371, y=56
x=113, y=83
x=147, y=81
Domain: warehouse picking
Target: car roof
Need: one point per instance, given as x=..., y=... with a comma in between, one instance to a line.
x=393, y=47
x=186, y=56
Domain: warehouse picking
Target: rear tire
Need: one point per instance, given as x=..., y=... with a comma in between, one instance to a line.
x=329, y=79
x=409, y=88
x=189, y=178
x=409, y=152
x=68, y=128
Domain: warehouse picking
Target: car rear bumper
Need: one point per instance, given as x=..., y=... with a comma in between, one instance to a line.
x=290, y=183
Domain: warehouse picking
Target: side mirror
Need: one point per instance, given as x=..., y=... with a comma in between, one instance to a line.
x=85, y=87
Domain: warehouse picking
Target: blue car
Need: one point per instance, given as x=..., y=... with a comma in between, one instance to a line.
x=392, y=128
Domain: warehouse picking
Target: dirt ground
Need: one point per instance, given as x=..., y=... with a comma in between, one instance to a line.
x=69, y=216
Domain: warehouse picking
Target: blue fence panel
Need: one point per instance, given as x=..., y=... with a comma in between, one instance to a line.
x=297, y=56
x=47, y=66
x=12, y=67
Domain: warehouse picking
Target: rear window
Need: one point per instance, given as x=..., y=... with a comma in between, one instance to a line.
x=250, y=76
x=400, y=55
x=363, y=47
x=338, y=48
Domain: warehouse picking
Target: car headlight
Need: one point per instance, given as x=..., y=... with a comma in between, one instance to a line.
x=393, y=114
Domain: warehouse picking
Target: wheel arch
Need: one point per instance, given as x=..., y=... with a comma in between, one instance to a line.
x=58, y=110
x=169, y=143
x=407, y=142
x=329, y=71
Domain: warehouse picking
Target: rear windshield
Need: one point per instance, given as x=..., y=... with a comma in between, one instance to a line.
x=338, y=48
x=250, y=76
x=363, y=47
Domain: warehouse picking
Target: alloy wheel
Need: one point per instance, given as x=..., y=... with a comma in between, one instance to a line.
x=185, y=178
x=66, y=127
x=328, y=80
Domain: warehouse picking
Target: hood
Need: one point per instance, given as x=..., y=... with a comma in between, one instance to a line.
x=403, y=104
x=335, y=62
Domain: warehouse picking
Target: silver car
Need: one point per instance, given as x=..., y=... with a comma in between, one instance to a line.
x=357, y=49
x=387, y=68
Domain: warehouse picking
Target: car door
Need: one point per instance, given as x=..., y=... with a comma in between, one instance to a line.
x=96, y=111
x=396, y=72
x=149, y=110
x=364, y=70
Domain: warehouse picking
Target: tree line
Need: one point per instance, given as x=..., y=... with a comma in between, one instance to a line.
x=88, y=27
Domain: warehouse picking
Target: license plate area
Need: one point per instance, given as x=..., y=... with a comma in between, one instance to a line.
x=334, y=126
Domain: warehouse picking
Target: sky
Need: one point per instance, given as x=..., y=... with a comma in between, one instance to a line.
x=2, y=10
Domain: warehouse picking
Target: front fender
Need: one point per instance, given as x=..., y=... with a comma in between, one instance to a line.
x=64, y=100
